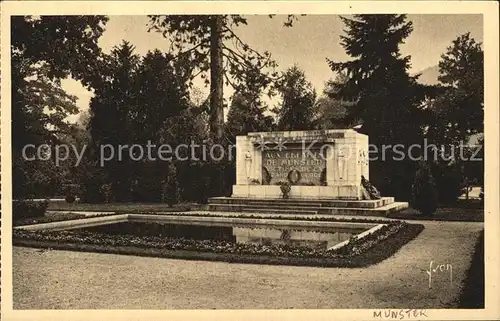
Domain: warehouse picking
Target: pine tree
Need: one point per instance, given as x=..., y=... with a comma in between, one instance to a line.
x=247, y=115
x=110, y=121
x=386, y=99
x=210, y=43
x=385, y=95
x=297, y=110
x=162, y=93
x=332, y=112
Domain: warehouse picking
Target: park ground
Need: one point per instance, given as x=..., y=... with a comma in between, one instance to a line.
x=74, y=280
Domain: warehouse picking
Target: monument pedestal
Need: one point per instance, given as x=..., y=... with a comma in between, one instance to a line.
x=347, y=192
x=325, y=164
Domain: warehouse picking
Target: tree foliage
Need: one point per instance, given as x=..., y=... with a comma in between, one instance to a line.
x=297, y=110
x=137, y=98
x=39, y=104
x=333, y=112
x=458, y=111
x=247, y=114
x=385, y=96
x=162, y=93
x=457, y=116
x=386, y=99
x=219, y=55
x=73, y=48
x=171, y=193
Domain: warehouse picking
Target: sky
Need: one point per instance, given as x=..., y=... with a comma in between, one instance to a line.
x=308, y=43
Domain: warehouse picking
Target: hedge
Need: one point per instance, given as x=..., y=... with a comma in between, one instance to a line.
x=28, y=209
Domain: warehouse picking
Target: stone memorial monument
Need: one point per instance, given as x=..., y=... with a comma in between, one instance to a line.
x=317, y=164
x=304, y=172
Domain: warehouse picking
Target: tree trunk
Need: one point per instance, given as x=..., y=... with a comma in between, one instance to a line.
x=216, y=80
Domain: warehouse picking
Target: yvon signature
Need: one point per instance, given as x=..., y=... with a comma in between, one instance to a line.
x=439, y=269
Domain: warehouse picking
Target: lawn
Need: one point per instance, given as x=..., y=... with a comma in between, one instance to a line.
x=462, y=210
x=473, y=294
x=120, y=207
x=49, y=217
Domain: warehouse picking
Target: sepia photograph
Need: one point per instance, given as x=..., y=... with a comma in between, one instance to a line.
x=251, y=156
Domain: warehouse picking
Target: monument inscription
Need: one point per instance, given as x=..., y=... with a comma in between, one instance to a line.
x=295, y=166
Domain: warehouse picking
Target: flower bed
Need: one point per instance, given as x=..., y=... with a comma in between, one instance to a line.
x=330, y=218
x=358, y=252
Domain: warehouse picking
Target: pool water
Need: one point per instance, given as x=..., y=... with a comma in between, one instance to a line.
x=321, y=238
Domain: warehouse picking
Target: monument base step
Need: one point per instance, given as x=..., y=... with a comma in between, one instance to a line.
x=380, y=207
x=278, y=211
x=302, y=202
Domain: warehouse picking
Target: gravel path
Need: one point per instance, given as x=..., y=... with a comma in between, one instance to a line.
x=73, y=280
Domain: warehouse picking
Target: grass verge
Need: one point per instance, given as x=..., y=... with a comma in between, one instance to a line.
x=473, y=294
x=120, y=208
x=377, y=252
x=452, y=214
x=54, y=217
x=288, y=217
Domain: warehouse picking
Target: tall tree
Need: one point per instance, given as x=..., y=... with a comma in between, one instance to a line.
x=162, y=100
x=111, y=109
x=386, y=97
x=214, y=47
x=190, y=126
x=247, y=110
x=73, y=48
x=298, y=101
x=458, y=116
x=332, y=112
x=247, y=115
x=459, y=110
x=39, y=104
x=162, y=93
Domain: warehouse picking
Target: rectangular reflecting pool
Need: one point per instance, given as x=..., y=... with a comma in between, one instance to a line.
x=313, y=237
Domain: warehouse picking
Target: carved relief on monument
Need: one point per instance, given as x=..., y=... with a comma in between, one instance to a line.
x=248, y=165
x=341, y=159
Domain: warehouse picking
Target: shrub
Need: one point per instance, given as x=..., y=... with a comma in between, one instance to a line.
x=70, y=198
x=424, y=192
x=106, y=192
x=91, y=179
x=28, y=208
x=171, y=192
x=448, y=182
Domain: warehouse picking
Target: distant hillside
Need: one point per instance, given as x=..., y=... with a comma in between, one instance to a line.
x=429, y=76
